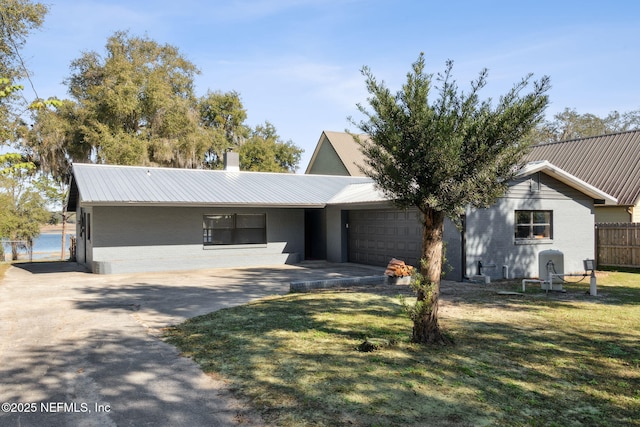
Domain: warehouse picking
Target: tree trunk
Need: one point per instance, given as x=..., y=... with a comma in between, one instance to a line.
x=426, y=329
x=14, y=251
x=64, y=232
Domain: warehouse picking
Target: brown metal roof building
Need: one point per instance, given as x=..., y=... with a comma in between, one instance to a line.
x=610, y=163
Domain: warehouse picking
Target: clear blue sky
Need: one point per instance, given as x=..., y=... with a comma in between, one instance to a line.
x=296, y=63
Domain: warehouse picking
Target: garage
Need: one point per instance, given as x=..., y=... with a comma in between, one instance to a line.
x=376, y=236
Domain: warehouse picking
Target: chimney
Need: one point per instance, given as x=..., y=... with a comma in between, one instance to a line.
x=231, y=161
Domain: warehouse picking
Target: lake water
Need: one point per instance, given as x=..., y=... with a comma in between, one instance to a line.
x=45, y=246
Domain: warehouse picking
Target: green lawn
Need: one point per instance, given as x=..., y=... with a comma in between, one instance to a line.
x=557, y=359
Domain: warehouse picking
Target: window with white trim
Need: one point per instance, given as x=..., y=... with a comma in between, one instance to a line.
x=234, y=229
x=534, y=225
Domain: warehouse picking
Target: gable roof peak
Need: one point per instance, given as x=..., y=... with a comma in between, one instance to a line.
x=609, y=162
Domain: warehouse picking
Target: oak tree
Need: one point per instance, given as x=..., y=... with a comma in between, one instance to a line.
x=223, y=115
x=138, y=103
x=442, y=155
x=18, y=18
x=265, y=151
x=22, y=208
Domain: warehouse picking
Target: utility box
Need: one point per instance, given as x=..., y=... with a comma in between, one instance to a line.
x=551, y=262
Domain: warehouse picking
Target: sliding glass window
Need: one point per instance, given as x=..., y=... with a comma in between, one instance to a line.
x=234, y=229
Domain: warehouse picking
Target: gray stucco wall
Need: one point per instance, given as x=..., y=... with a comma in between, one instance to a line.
x=452, y=266
x=140, y=239
x=491, y=235
x=336, y=234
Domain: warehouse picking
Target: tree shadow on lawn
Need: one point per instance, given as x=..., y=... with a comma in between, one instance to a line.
x=297, y=361
x=300, y=369
x=491, y=375
x=494, y=293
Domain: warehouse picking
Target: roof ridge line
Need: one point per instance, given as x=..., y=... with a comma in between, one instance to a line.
x=587, y=137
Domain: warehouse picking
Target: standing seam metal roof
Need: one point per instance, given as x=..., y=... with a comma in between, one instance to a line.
x=109, y=184
x=610, y=162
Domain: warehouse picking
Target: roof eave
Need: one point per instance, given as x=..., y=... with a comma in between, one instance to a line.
x=202, y=204
x=599, y=196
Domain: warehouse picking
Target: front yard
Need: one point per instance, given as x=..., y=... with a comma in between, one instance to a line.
x=563, y=359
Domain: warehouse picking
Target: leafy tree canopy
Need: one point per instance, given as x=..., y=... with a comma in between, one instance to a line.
x=264, y=151
x=223, y=115
x=6, y=124
x=18, y=18
x=456, y=152
x=443, y=156
x=57, y=137
x=569, y=124
x=135, y=105
x=22, y=208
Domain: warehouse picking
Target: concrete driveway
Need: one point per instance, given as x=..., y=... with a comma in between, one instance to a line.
x=79, y=349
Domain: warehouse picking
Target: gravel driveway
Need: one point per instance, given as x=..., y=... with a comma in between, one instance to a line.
x=80, y=349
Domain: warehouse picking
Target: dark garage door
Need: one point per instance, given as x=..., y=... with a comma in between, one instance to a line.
x=376, y=236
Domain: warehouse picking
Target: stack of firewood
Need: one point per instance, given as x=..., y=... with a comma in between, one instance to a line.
x=397, y=268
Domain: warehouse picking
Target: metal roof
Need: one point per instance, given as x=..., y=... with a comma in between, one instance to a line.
x=94, y=184
x=365, y=192
x=109, y=185
x=610, y=162
x=368, y=192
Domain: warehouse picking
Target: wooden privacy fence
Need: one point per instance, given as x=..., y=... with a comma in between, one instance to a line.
x=618, y=244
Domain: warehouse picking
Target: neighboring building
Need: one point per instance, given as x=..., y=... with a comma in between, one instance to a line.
x=609, y=162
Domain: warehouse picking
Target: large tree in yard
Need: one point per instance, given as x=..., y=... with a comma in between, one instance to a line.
x=441, y=153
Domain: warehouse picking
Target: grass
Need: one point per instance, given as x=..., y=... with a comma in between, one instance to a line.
x=557, y=359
